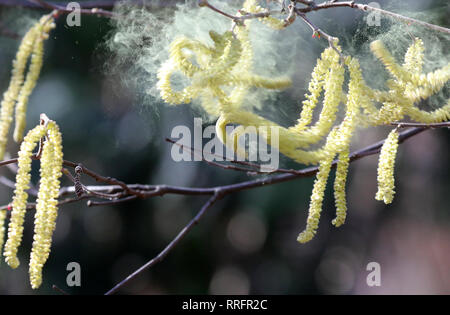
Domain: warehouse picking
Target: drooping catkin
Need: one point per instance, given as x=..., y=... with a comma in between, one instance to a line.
x=315, y=88
x=355, y=97
x=12, y=93
x=385, y=178
x=315, y=206
x=19, y=91
x=414, y=57
x=47, y=203
x=339, y=188
x=19, y=204
x=51, y=160
x=45, y=25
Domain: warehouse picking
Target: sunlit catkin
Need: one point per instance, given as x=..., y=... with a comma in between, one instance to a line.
x=45, y=25
x=379, y=50
x=315, y=206
x=385, y=178
x=18, y=91
x=339, y=188
x=414, y=56
x=47, y=203
x=315, y=88
x=11, y=95
x=19, y=204
x=51, y=160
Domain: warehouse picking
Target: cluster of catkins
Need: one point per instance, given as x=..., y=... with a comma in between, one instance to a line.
x=21, y=87
x=51, y=160
x=222, y=75
x=48, y=136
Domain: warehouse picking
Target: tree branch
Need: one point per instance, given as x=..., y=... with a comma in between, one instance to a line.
x=365, y=8
x=100, y=4
x=98, y=8
x=217, y=195
x=312, y=6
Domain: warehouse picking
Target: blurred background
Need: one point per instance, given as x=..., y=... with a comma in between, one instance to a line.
x=246, y=244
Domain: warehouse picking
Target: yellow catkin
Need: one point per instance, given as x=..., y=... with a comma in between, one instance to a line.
x=385, y=178
x=408, y=87
x=332, y=98
x=37, y=258
x=226, y=64
x=11, y=95
x=414, y=57
x=354, y=99
x=15, y=228
x=223, y=57
x=43, y=28
x=229, y=62
x=424, y=85
x=47, y=203
x=315, y=206
x=380, y=51
x=315, y=88
x=436, y=116
x=339, y=188
x=291, y=140
x=18, y=91
x=2, y=229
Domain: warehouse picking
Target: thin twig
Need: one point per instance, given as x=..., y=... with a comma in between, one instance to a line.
x=64, y=9
x=365, y=8
x=312, y=6
x=170, y=246
x=236, y=19
x=91, y=203
x=317, y=31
